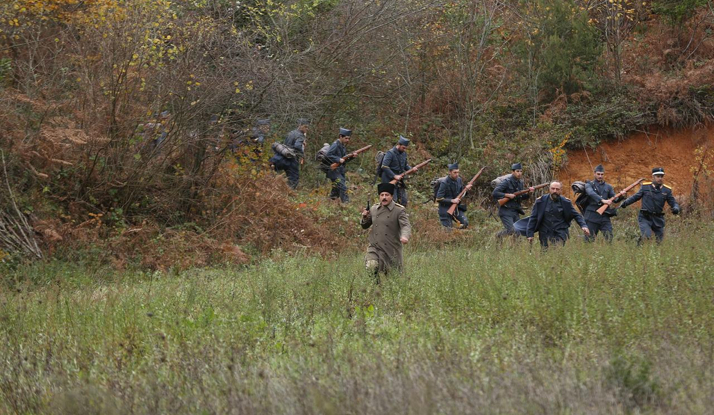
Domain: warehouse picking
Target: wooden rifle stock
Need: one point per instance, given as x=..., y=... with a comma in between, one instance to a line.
x=412, y=170
x=461, y=195
x=505, y=200
x=350, y=156
x=601, y=210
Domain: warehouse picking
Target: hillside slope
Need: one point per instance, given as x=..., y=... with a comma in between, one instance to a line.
x=633, y=157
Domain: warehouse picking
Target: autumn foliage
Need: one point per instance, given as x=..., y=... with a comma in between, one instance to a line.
x=134, y=117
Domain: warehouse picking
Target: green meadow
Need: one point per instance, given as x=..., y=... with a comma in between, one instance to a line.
x=468, y=328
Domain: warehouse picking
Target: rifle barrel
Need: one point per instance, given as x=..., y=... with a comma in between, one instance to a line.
x=601, y=210
x=454, y=206
x=505, y=200
x=350, y=156
x=412, y=170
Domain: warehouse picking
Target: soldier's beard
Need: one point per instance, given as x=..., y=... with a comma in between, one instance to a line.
x=554, y=197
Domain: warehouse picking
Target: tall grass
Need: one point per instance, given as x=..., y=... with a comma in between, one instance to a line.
x=587, y=328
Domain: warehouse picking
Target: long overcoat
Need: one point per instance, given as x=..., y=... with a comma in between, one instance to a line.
x=389, y=223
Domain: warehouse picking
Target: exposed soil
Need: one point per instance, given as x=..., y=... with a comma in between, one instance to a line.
x=632, y=158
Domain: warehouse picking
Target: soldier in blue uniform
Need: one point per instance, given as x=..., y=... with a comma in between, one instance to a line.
x=551, y=218
x=448, y=193
x=394, y=165
x=511, y=211
x=654, y=194
x=295, y=141
x=599, y=192
x=336, y=154
x=260, y=131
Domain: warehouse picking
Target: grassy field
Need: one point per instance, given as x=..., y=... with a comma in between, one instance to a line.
x=468, y=329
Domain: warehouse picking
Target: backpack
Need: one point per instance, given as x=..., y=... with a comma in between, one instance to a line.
x=283, y=150
x=582, y=200
x=435, y=184
x=321, y=153
x=498, y=180
x=378, y=159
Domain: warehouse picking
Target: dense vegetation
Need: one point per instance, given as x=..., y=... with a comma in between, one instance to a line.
x=470, y=329
x=125, y=122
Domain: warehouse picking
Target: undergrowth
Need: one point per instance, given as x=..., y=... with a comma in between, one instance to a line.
x=469, y=328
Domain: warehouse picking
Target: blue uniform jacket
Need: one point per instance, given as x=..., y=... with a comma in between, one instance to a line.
x=510, y=185
x=536, y=218
x=449, y=189
x=653, y=199
x=596, y=192
x=336, y=151
x=394, y=163
x=296, y=141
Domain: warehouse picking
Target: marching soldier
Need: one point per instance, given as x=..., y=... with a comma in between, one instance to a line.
x=394, y=165
x=260, y=131
x=296, y=142
x=511, y=211
x=551, y=218
x=390, y=230
x=336, y=154
x=599, y=192
x=448, y=193
x=654, y=194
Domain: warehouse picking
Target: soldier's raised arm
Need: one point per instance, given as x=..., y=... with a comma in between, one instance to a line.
x=366, y=221
x=634, y=198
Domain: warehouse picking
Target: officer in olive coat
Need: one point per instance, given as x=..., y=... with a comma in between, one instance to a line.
x=394, y=164
x=448, y=194
x=598, y=192
x=654, y=195
x=390, y=230
x=336, y=154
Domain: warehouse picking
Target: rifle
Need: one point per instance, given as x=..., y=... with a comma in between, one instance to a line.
x=601, y=210
x=350, y=156
x=461, y=195
x=412, y=170
x=505, y=200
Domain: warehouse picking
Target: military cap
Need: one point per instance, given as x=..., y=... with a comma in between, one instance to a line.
x=403, y=141
x=303, y=121
x=262, y=121
x=516, y=166
x=599, y=168
x=453, y=166
x=658, y=170
x=385, y=187
x=345, y=132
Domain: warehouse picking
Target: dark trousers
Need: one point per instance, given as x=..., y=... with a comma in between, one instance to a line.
x=549, y=237
x=508, y=218
x=339, y=186
x=400, y=195
x=291, y=168
x=650, y=224
x=448, y=221
x=604, y=226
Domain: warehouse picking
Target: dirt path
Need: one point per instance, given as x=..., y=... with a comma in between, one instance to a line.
x=633, y=157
